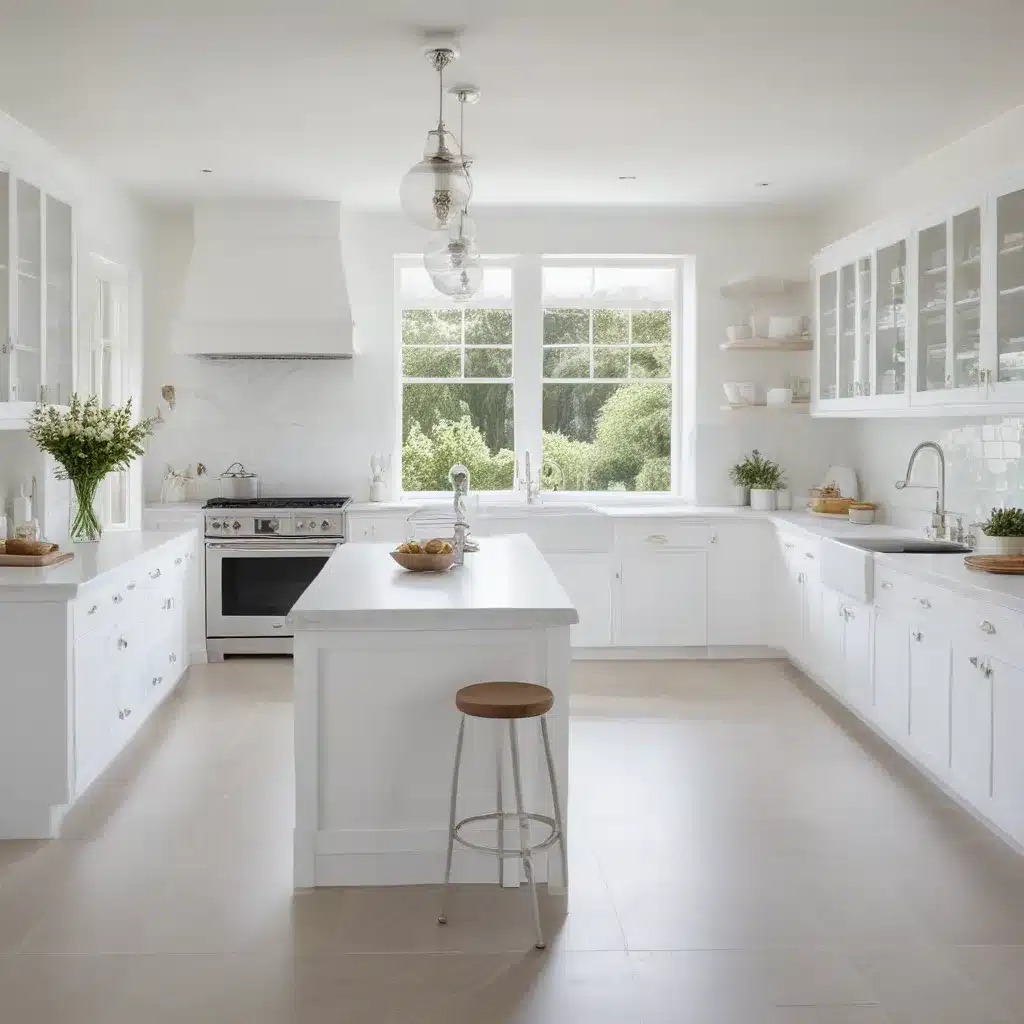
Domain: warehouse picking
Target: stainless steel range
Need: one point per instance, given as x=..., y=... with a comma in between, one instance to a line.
x=261, y=554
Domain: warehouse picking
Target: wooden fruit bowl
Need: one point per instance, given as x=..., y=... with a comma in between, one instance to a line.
x=424, y=563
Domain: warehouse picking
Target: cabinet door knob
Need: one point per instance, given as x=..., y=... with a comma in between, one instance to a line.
x=924, y=602
x=790, y=544
x=117, y=599
x=131, y=586
x=177, y=561
x=121, y=643
x=886, y=585
x=155, y=574
x=800, y=577
x=807, y=554
x=917, y=635
x=974, y=662
x=987, y=627
x=172, y=658
x=93, y=610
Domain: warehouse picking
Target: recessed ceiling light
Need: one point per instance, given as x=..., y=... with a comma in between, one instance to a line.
x=627, y=177
x=761, y=184
x=206, y=170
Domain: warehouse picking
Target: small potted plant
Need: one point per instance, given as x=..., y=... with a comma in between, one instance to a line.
x=1003, y=532
x=764, y=478
x=739, y=476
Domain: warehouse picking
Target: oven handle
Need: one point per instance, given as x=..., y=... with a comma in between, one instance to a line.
x=316, y=548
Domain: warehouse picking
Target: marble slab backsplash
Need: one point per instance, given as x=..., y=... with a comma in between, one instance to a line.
x=984, y=466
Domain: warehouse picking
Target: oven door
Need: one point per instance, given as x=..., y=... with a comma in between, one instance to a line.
x=251, y=585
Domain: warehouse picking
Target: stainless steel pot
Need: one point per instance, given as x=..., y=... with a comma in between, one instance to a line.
x=237, y=482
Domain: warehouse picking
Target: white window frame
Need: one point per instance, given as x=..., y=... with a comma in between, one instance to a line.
x=528, y=377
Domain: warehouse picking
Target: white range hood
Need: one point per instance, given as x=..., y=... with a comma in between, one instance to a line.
x=265, y=281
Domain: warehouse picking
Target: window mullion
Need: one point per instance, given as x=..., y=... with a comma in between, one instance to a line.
x=528, y=359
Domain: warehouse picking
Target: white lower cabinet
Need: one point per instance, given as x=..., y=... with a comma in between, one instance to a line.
x=1007, y=686
x=738, y=605
x=930, y=655
x=891, y=674
x=857, y=655
x=662, y=599
x=95, y=704
x=587, y=581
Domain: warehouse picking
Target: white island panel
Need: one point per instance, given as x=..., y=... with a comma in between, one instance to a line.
x=375, y=720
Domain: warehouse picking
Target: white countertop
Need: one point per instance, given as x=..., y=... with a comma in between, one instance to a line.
x=507, y=584
x=115, y=549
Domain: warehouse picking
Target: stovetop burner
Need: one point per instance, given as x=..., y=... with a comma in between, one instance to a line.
x=277, y=503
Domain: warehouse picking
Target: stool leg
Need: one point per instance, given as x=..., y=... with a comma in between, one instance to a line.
x=524, y=835
x=501, y=805
x=556, y=803
x=442, y=918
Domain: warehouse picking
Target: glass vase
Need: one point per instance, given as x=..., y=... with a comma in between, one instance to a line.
x=85, y=525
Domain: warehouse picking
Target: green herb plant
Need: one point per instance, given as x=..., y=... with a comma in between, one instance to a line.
x=1004, y=522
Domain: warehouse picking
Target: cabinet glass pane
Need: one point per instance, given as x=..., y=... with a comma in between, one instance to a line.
x=1010, y=283
x=26, y=370
x=966, y=266
x=932, y=323
x=5, y=289
x=864, y=326
x=59, y=362
x=891, y=320
x=828, y=300
x=847, y=330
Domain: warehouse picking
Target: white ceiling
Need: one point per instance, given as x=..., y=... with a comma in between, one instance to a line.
x=331, y=98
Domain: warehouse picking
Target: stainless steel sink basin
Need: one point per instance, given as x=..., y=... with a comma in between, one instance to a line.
x=908, y=546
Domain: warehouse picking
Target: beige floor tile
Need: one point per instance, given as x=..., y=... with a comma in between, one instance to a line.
x=60, y=989
x=998, y=971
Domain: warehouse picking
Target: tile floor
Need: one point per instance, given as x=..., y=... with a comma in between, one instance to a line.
x=741, y=851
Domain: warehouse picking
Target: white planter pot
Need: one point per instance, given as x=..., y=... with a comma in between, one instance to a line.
x=784, y=499
x=740, y=496
x=1000, y=545
x=762, y=500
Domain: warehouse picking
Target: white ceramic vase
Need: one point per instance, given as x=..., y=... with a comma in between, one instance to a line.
x=740, y=496
x=784, y=499
x=762, y=500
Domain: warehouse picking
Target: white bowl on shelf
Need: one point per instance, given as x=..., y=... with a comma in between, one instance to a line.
x=779, y=396
x=785, y=326
x=738, y=332
x=739, y=392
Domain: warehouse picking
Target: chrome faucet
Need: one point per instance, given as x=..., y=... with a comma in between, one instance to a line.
x=532, y=489
x=939, y=515
x=458, y=475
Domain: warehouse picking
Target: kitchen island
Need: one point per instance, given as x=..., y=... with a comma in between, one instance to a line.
x=379, y=654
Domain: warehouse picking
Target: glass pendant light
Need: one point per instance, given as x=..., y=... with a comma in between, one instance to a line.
x=454, y=265
x=438, y=188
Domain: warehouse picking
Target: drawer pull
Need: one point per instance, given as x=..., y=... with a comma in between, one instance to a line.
x=924, y=602
x=987, y=669
x=177, y=561
x=974, y=662
x=124, y=713
x=657, y=538
x=157, y=680
x=790, y=544
x=886, y=585
x=987, y=627
x=168, y=604
x=93, y=610
x=801, y=578
x=155, y=574
x=917, y=635
x=714, y=538
x=131, y=586
x=172, y=658
x=807, y=554
x=117, y=599
x=121, y=643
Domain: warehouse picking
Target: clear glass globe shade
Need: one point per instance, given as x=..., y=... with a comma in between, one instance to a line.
x=459, y=283
x=457, y=251
x=436, y=190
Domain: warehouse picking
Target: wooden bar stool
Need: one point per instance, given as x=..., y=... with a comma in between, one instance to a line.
x=508, y=702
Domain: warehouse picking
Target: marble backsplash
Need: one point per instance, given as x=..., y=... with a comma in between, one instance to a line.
x=984, y=466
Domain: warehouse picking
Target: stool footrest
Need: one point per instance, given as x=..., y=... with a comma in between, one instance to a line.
x=543, y=819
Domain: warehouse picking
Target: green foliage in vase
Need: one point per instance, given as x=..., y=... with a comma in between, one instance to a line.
x=89, y=440
x=1004, y=522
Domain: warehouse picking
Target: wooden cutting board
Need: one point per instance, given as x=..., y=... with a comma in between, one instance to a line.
x=1005, y=565
x=36, y=561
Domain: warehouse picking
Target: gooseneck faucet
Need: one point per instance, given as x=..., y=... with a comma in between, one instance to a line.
x=939, y=515
x=458, y=476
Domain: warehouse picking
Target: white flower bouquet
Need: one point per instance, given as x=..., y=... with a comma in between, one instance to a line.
x=88, y=442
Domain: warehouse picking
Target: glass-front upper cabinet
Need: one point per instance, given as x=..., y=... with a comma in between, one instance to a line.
x=964, y=370
x=847, y=330
x=828, y=318
x=1010, y=288
x=5, y=285
x=59, y=381
x=864, y=319
x=932, y=319
x=891, y=319
x=26, y=362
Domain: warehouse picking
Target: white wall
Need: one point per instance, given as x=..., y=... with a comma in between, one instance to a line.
x=312, y=427
x=107, y=224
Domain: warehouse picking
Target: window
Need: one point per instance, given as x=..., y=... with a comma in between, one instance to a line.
x=584, y=380
x=457, y=382
x=607, y=378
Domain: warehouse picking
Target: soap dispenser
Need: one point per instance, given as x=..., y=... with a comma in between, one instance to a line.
x=21, y=508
